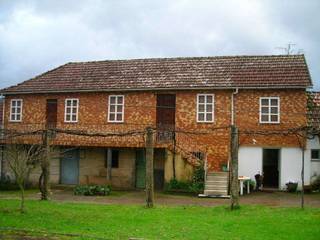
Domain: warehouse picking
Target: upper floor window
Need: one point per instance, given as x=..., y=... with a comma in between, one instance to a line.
x=71, y=110
x=205, y=108
x=269, y=110
x=116, y=108
x=16, y=110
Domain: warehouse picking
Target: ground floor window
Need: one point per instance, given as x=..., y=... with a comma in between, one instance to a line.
x=114, y=159
x=315, y=154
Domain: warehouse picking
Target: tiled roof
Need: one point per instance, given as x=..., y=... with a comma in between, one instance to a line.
x=314, y=109
x=274, y=71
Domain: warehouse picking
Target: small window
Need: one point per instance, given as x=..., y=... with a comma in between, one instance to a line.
x=116, y=108
x=71, y=110
x=315, y=154
x=205, y=108
x=269, y=110
x=114, y=161
x=16, y=110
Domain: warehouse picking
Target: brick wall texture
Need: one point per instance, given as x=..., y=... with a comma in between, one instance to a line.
x=140, y=112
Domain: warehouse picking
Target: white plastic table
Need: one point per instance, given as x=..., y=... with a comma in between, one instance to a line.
x=241, y=180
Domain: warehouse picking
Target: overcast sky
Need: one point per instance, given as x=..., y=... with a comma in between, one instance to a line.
x=36, y=36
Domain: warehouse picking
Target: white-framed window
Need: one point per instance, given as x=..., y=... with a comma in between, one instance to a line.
x=315, y=154
x=71, y=109
x=269, y=110
x=205, y=108
x=16, y=110
x=116, y=108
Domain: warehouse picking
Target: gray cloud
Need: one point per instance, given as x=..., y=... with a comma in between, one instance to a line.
x=39, y=35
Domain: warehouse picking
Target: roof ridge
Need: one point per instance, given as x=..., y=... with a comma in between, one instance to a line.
x=190, y=58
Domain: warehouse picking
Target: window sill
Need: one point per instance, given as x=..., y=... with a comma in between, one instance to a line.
x=272, y=123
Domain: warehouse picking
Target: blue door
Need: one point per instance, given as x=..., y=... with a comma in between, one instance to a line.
x=70, y=167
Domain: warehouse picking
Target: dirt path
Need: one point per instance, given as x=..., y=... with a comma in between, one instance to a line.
x=137, y=197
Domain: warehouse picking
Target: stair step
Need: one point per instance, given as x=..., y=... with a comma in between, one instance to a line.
x=223, y=181
x=212, y=178
x=212, y=192
x=215, y=185
x=216, y=188
x=217, y=174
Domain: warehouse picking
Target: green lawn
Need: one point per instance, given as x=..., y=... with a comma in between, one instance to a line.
x=123, y=222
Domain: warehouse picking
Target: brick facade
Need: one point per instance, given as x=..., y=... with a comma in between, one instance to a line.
x=140, y=112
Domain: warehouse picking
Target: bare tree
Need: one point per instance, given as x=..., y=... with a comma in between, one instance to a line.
x=22, y=159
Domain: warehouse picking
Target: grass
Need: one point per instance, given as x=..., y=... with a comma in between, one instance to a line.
x=162, y=222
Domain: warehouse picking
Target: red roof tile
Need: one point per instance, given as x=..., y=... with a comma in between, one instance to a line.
x=273, y=71
x=314, y=109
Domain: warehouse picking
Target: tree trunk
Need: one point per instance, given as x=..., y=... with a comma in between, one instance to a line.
x=45, y=166
x=22, y=209
x=302, y=178
x=234, y=168
x=149, y=169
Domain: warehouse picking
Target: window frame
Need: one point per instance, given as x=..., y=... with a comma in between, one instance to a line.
x=314, y=159
x=269, y=110
x=116, y=112
x=205, y=108
x=16, y=114
x=115, y=162
x=71, y=113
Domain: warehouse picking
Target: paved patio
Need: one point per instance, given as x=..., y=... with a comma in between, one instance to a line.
x=281, y=199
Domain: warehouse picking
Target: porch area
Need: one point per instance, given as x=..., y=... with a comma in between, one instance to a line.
x=122, y=168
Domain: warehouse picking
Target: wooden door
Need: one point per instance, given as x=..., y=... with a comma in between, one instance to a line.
x=52, y=110
x=140, y=169
x=69, y=167
x=166, y=111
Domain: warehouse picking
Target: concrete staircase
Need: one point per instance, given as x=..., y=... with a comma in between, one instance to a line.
x=217, y=184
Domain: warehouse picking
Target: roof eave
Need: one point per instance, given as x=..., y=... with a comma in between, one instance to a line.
x=152, y=89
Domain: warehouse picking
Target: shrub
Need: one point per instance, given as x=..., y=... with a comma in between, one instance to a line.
x=196, y=185
x=175, y=185
x=92, y=190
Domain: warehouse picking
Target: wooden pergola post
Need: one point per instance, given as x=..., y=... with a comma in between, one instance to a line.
x=149, y=168
x=234, y=168
x=109, y=164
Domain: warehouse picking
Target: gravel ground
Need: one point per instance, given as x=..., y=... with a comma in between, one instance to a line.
x=281, y=199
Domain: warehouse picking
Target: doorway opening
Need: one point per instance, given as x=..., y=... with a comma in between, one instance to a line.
x=52, y=110
x=271, y=165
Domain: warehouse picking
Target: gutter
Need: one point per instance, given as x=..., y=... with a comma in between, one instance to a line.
x=232, y=105
x=149, y=89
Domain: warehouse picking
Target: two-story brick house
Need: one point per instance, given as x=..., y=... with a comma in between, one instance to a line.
x=198, y=97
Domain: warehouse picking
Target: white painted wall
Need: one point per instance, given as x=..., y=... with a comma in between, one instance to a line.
x=314, y=164
x=290, y=165
x=250, y=163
